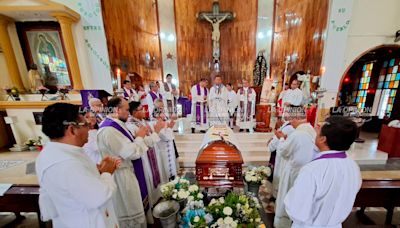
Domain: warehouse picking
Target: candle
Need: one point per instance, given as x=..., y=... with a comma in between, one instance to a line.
x=119, y=78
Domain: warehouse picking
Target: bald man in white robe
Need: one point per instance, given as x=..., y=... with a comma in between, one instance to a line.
x=297, y=150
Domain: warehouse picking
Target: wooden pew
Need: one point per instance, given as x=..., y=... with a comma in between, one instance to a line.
x=379, y=193
x=22, y=198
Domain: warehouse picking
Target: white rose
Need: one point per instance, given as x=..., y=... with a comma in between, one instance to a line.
x=196, y=219
x=247, y=178
x=251, y=220
x=220, y=221
x=174, y=195
x=234, y=224
x=258, y=220
x=190, y=198
x=227, y=211
x=193, y=188
x=254, y=179
x=222, y=200
x=213, y=201
x=200, y=196
x=228, y=220
x=183, y=194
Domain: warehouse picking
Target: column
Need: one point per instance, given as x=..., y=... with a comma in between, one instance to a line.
x=9, y=55
x=66, y=22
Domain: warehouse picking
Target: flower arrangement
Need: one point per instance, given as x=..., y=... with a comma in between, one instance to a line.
x=235, y=210
x=34, y=143
x=257, y=175
x=13, y=93
x=176, y=189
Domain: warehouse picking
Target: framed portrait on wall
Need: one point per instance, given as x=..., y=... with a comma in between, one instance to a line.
x=42, y=46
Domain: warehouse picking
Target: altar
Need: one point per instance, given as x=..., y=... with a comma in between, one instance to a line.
x=219, y=161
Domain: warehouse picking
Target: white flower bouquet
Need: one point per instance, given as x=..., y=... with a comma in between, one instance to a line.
x=235, y=210
x=178, y=189
x=257, y=175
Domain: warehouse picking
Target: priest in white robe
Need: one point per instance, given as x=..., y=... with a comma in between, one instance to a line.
x=278, y=163
x=297, y=150
x=232, y=103
x=113, y=138
x=325, y=190
x=73, y=191
x=293, y=96
x=151, y=163
x=218, y=103
x=130, y=93
x=153, y=94
x=165, y=147
x=170, y=93
x=247, y=107
x=199, y=111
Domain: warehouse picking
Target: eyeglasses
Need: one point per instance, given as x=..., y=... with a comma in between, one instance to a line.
x=79, y=124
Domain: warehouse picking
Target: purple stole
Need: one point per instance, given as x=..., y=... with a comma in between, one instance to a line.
x=137, y=164
x=332, y=155
x=249, y=103
x=126, y=95
x=154, y=96
x=198, y=107
x=151, y=155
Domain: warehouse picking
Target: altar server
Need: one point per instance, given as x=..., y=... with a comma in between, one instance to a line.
x=293, y=96
x=152, y=96
x=151, y=163
x=73, y=191
x=170, y=93
x=218, y=103
x=276, y=159
x=115, y=139
x=325, y=190
x=232, y=103
x=297, y=150
x=165, y=147
x=247, y=107
x=199, y=112
x=130, y=93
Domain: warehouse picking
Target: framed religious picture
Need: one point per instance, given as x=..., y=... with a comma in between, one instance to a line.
x=43, y=49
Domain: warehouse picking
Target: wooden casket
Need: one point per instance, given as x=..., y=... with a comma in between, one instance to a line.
x=219, y=164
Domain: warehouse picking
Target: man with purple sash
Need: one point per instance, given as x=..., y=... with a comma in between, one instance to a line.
x=325, y=189
x=170, y=94
x=130, y=93
x=296, y=151
x=247, y=107
x=114, y=139
x=199, y=111
x=152, y=96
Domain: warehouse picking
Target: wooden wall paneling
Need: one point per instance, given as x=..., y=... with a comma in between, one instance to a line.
x=299, y=28
x=194, y=44
x=131, y=28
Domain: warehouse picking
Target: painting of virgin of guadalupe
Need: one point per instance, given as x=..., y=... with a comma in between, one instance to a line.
x=42, y=45
x=47, y=52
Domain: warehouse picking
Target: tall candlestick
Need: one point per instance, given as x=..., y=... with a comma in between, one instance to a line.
x=119, y=78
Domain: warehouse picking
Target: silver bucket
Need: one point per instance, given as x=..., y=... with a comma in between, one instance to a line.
x=166, y=211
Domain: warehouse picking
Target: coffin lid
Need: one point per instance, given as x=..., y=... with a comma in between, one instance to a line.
x=219, y=151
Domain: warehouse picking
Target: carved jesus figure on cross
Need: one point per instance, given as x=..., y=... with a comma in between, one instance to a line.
x=215, y=18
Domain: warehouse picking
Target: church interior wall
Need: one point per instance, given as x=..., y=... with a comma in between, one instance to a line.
x=299, y=36
x=194, y=44
x=132, y=37
x=23, y=70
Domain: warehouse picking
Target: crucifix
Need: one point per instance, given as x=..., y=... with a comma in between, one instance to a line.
x=215, y=18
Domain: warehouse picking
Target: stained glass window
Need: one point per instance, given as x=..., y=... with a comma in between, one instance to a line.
x=360, y=95
x=388, y=82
